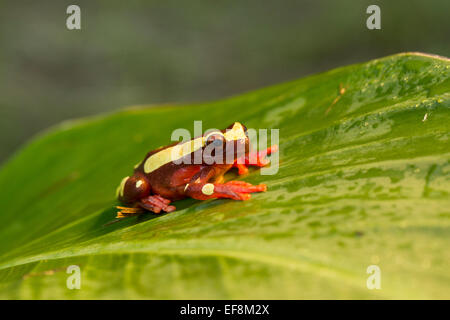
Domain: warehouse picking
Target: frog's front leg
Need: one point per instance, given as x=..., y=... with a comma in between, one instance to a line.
x=254, y=158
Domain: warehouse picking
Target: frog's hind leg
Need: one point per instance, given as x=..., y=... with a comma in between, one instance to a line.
x=236, y=190
x=254, y=158
x=128, y=211
x=156, y=204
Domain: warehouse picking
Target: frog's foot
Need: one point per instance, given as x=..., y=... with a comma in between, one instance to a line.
x=156, y=204
x=240, y=188
x=236, y=190
x=242, y=168
x=128, y=211
x=254, y=158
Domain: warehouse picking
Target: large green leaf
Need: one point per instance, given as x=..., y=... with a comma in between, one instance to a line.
x=363, y=180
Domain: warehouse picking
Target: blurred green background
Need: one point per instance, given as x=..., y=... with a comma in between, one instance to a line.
x=151, y=52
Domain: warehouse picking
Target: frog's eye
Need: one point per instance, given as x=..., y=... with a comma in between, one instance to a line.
x=215, y=137
x=236, y=125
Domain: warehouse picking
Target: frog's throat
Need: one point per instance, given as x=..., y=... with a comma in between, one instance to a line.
x=181, y=150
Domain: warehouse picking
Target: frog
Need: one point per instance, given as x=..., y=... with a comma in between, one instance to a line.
x=186, y=170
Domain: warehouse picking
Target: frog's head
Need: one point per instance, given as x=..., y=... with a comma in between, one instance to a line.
x=228, y=144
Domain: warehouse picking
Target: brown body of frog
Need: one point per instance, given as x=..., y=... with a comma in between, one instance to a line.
x=192, y=169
